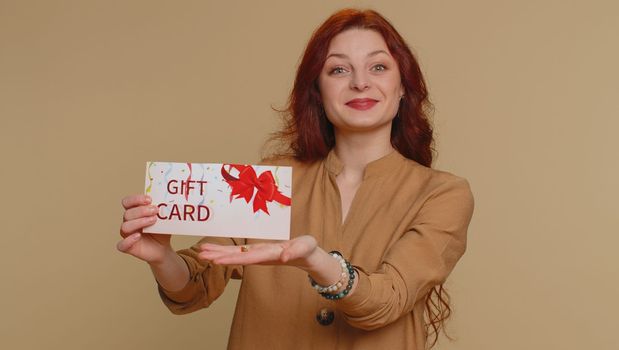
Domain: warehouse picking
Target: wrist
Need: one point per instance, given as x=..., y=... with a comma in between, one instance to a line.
x=166, y=257
x=342, y=287
x=324, y=268
x=315, y=261
x=171, y=273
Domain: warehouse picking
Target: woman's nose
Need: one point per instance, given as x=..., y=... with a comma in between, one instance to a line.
x=359, y=82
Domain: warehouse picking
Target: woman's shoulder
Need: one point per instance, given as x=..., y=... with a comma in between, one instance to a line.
x=433, y=178
x=436, y=189
x=278, y=160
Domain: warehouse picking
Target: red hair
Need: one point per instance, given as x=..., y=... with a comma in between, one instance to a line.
x=309, y=134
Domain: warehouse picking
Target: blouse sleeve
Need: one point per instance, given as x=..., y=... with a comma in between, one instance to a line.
x=207, y=281
x=421, y=259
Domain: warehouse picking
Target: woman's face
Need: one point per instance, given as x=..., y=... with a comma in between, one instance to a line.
x=360, y=82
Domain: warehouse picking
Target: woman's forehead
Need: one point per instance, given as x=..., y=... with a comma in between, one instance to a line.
x=356, y=41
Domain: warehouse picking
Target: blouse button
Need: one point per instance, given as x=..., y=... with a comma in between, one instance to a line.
x=325, y=317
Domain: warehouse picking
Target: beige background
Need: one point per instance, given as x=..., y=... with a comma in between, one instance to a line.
x=526, y=109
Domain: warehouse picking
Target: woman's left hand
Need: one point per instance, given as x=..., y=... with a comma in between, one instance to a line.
x=302, y=252
x=297, y=252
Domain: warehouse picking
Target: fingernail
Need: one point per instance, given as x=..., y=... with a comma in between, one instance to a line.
x=154, y=209
x=147, y=199
x=137, y=236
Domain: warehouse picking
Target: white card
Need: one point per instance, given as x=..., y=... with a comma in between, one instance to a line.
x=223, y=200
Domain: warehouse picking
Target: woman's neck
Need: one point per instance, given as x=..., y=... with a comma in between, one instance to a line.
x=355, y=151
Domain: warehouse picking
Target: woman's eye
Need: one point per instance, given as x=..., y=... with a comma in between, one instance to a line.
x=379, y=67
x=337, y=70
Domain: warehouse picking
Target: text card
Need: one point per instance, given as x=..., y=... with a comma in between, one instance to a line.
x=224, y=200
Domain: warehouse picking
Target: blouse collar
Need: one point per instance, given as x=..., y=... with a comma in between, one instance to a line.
x=379, y=167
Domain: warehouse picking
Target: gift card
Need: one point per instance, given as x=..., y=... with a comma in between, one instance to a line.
x=223, y=200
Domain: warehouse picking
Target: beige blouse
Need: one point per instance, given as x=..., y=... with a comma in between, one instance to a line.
x=405, y=230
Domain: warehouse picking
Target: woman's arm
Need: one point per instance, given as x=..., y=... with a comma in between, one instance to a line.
x=206, y=280
x=172, y=273
x=421, y=259
x=154, y=249
x=185, y=283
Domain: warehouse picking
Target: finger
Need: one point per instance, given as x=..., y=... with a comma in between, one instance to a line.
x=265, y=254
x=135, y=200
x=211, y=247
x=140, y=211
x=129, y=227
x=212, y=251
x=212, y=256
x=128, y=242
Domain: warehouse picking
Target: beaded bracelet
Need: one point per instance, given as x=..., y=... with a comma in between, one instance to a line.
x=337, y=285
x=347, y=271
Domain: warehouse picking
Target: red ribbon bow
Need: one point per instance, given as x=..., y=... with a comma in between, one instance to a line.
x=244, y=185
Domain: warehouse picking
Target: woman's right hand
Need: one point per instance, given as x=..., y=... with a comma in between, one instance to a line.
x=152, y=248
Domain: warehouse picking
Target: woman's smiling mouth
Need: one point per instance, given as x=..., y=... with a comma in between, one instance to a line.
x=361, y=103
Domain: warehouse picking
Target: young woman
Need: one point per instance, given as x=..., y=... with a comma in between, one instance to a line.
x=360, y=147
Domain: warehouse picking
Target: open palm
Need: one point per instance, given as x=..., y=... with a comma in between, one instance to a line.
x=295, y=252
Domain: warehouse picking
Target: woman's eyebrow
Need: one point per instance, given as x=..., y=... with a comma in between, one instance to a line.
x=341, y=55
